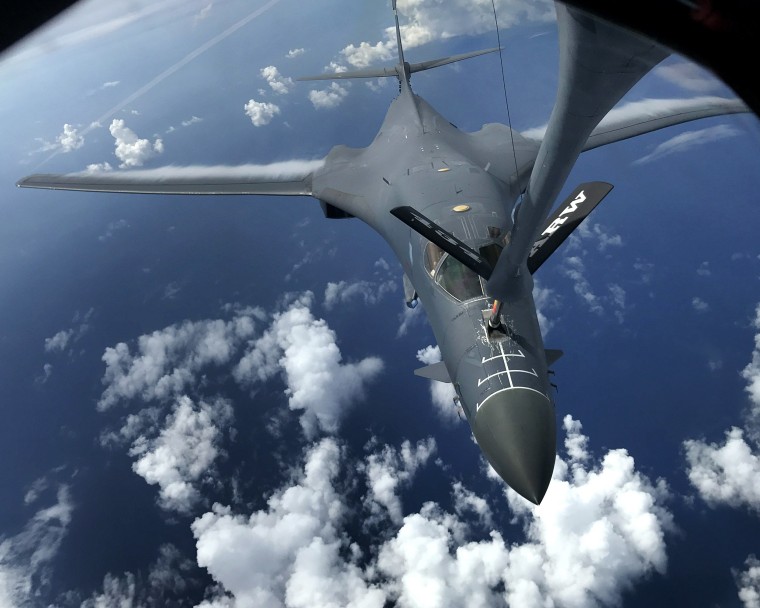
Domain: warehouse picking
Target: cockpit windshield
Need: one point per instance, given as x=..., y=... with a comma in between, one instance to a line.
x=458, y=280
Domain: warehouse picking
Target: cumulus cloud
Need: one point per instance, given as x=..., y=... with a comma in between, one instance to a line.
x=293, y=53
x=166, y=361
x=600, y=531
x=290, y=552
x=688, y=141
x=67, y=337
x=704, y=269
x=725, y=474
x=328, y=98
x=748, y=582
x=304, y=350
x=699, y=304
x=261, y=112
x=25, y=558
x=59, y=341
x=278, y=83
x=388, y=470
x=130, y=149
x=370, y=292
x=364, y=54
x=600, y=528
x=70, y=139
x=423, y=21
x=442, y=394
x=182, y=456
x=729, y=473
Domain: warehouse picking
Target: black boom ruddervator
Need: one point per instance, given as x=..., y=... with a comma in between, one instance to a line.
x=447, y=204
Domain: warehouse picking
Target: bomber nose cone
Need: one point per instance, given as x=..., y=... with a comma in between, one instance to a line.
x=516, y=430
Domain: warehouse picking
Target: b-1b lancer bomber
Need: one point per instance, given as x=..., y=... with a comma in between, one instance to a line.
x=468, y=217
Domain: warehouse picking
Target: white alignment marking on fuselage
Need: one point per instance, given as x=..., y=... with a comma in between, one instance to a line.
x=505, y=358
x=516, y=388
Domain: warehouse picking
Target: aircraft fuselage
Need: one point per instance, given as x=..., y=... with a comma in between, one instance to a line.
x=447, y=175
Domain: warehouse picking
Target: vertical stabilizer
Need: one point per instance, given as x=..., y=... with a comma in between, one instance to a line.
x=402, y=69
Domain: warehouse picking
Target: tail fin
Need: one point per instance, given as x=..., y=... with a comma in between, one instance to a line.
x=393, y=71
x=402, y=70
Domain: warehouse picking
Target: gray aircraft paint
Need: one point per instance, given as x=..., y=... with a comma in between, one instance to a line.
x=421, y=160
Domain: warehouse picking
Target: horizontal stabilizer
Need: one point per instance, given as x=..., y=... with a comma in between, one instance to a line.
x=565, y=219
x=280, y=179
x=445, y=240
x=553, y=355
x=436, y=371
x=384, y=72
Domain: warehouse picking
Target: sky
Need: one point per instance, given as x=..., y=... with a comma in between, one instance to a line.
x=210, y=401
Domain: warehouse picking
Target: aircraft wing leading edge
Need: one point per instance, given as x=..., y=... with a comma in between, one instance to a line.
x=189, y=180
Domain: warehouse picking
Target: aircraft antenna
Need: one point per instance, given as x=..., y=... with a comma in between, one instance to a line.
x=504, y=86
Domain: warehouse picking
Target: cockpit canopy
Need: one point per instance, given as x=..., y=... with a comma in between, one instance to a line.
x=454, y=277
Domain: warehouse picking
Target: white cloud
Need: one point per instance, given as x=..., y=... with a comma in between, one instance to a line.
x=112, y=228
x=617, y=294
x=748, y=582
x=328, y=98
x=729, y=473
x=704, y=269
x=545, y=299
x=70, y=139
x=292, y=53
x=600, y=234
x=699, y=304
x=260, y=112
x=98, y=168
x=365, y=54
x=575, y=269
x=182, y=456
x=110, y=84
x=130, y=149
x=204, y=12
x=66, y=337
x=688, y=76
x=304, y=349
x=467, y=501
x=389, y=469
x=343, y=292
x=59, y=341
x=751, y=374
x=599, y=530
x=191, y=121
x=288, y=554
x=408, y=318
x=442, y=394
x=167, y=579
x=166, y=361
x=689, y=140
x=423, y=21
x=25, y=558
x=279, y=84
